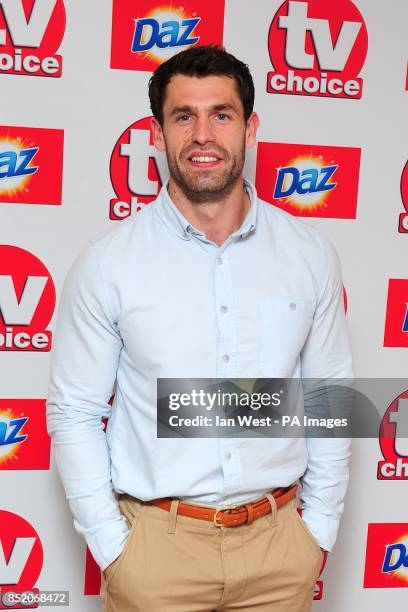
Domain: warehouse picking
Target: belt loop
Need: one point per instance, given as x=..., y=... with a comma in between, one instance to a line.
x=274, y=510
x=250, y=511
x=173, y=516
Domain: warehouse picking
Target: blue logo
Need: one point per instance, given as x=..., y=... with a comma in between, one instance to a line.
x=301, y=182
x=16, y=164
x=400, y=558
x=168, y=34
x=9, y=432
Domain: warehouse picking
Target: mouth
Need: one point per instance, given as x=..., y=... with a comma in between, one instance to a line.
x=204, y=161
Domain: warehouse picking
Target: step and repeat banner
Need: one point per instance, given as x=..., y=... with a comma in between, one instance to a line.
x=76, y=157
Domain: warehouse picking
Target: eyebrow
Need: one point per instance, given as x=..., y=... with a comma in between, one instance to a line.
x=191, y=109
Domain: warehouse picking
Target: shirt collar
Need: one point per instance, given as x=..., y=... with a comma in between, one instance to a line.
x=177, y=222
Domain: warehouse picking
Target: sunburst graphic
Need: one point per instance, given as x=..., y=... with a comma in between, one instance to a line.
x=402, y=572
x=9, y=452
x=13, y=185
x=164, y=14
x=312, y=200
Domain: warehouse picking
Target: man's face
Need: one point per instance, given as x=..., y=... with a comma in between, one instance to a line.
x=204, y=135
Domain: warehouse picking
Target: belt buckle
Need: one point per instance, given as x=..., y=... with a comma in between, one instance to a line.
x=215, y=517
x=230, y=507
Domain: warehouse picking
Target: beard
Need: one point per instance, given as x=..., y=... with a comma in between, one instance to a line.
x=201, y=185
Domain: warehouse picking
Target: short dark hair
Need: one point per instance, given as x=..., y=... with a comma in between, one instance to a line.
x=201, y=62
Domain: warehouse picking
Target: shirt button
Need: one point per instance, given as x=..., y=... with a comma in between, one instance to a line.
x=219, y=261
x=292, y=306
x=226, y=358
x=224, y=309
x=227, y=456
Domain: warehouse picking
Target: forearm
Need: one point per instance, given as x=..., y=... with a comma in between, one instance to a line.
x=82, y=458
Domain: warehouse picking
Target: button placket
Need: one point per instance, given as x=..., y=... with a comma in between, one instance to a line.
x=226, y=362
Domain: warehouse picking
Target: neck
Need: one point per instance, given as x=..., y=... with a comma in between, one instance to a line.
x=219, y=217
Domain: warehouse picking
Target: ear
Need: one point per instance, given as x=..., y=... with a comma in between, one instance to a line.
x=157, y=135
x=251, y=130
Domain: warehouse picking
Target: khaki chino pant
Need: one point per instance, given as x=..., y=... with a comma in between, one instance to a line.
x=173, y=563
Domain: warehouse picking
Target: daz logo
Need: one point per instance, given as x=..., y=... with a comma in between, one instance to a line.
x=31, y=165
x=24, y=440
x=30, y=33
x=27, y=301
x=317, y=48
x=137, y=170
x=386, y=556
x=309, y=180
x=403, y=219
x=394, y=440
x=143, y=37
x=396, y=320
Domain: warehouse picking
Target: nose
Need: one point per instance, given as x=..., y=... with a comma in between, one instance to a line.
x=202, y=131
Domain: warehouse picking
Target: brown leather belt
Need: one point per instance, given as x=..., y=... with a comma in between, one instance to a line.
x=230, y=517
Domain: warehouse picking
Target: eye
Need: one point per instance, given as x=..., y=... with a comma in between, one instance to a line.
x=222, y=116
x=183, y=118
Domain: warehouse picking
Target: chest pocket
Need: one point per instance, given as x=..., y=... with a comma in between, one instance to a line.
x=283, y=326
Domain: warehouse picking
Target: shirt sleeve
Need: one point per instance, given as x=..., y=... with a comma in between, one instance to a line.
x=325, y=356
x=84, y=363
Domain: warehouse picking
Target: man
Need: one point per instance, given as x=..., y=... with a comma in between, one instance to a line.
x=207, y=281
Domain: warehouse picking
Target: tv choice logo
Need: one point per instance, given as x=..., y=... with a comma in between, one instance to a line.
x=31, y=32
x=21, y=553
x=27, y=301
x=317, y=48
x=137, y=170
x=24, y=440
x=396, y=318
x=309, y=180
x=31, y=162
x=393, y=439
x=403, y=218
x=144, y=36
x=386, y=564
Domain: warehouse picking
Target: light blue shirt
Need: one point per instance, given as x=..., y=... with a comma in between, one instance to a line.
x=153, y=297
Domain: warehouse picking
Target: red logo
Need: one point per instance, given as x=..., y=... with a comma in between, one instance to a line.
x=144, y=36
x=24, y=440
x=393, y=439
x=309, y=180
x=318, y=590
x=345, y=299
x=396, y=319
x=317, y=48
x=386, y=563
x=31, y=165
x=92, y=585
x=21, y=553
x=31, y=32
x=403, y=218
x=27, y=301
x=137, y=170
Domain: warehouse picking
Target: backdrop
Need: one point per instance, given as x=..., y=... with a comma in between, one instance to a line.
x=76, y=157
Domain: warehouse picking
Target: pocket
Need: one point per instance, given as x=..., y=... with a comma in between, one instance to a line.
x=309, y=534
x=283, y=326
x=132, y=517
